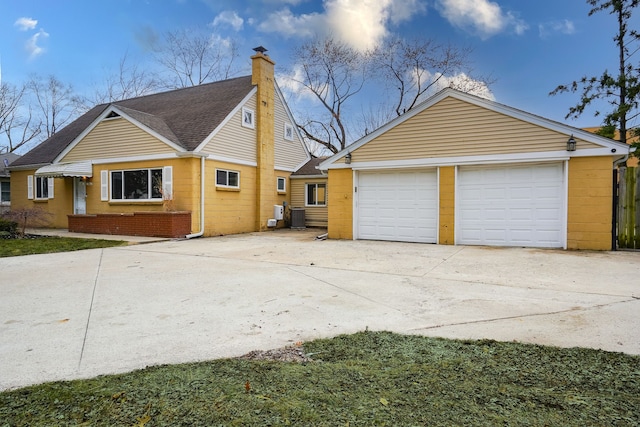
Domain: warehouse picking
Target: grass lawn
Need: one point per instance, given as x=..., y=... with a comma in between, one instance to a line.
x=365, y=379
x=44, y=245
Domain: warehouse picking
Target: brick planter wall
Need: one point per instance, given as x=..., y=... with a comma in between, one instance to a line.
x=152, y=224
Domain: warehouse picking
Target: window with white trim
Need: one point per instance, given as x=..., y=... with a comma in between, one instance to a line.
x=288, y=132
x=227, y=178
x=281, y=184
x=316, y=194
x=138, y=184
x=42, y=185
x=248, y=118
x=5, y=191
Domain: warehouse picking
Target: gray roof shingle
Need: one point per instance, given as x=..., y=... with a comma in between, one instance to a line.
x=183, y=116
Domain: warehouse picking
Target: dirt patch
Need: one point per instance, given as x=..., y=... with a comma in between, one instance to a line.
x=294, y=353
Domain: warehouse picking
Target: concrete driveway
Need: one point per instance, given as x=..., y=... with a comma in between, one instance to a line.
x=80, y=314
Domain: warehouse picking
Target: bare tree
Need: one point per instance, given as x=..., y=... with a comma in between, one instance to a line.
x=192, y=57
x=56, y=103
x=129, y=81
x=333, y=73
x=17, y=124
x=416, y=68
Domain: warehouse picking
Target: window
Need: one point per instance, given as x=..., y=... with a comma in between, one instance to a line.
x=282, y=184
x=42, y=187
x=225, y=178
x=141, y=184
x=288, y=132
x=5, y=192
x=248, y=118
x=316, y=194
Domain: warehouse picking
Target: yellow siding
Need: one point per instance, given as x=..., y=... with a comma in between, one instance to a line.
x=116, y=138
x=340, y=204
x=315, y=216
x=57, y=208
x=235, y=141
x=186, y=189
x=589, y=204
x=456, y=128
x=447, y=205
x=288, y=154
x=230, y=211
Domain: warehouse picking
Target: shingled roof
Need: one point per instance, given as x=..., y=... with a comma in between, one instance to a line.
x=183, y=116
x=309, y=168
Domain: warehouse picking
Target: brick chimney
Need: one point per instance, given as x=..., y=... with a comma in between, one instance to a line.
x=263, y=76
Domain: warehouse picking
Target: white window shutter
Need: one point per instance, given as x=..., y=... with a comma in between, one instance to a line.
x=104, y=186
x=30, y=187
x=167, y=182
x=50, y=183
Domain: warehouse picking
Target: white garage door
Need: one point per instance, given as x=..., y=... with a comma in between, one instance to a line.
x=398, y=206
x=516, y=205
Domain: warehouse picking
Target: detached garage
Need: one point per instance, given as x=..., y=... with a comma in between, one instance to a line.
x=459, y=169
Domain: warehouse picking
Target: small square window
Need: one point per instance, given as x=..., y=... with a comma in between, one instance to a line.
x=316, y=194
x=248, y=118
x=225, y=178
x=282, y=184
x=288, y=132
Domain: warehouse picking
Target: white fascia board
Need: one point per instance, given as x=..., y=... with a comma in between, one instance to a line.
x=101, y=117
x=457, y=161
x=323, y=176
x=226, y=119
x=231, y=160
x=536, y=120
x=149, y=130
x=135, y=158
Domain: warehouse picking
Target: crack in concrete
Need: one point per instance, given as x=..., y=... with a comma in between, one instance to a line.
x=93, y=294
x=498, y=319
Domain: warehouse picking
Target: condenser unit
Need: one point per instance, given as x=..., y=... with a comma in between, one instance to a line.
x=297, y=218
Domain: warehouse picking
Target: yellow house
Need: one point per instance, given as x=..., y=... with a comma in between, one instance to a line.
x=459, y=169
x=206, y=160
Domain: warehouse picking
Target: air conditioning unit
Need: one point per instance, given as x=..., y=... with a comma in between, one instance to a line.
x=278, y=212
x=297, y=218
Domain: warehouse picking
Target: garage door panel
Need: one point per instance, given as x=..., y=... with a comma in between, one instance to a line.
x=398, y=206
x=511, y=205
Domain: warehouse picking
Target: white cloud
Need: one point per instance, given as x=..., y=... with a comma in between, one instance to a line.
x=547, y=29
x=32, y=46
x=289, y=25
x=360, y=23
x=291, y=86
x=25, y=24
x=482, y=17
x=461, y=82
x=230, y=18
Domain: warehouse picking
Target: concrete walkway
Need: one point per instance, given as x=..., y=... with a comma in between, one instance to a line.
x=100, y=311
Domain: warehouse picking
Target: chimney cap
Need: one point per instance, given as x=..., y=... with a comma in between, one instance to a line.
x=260, y=49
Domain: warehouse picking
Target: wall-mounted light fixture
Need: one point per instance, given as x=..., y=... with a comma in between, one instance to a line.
x=571, y=143
x=347, y=158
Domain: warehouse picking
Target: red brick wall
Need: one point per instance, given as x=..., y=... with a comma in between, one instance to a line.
x=152, y=224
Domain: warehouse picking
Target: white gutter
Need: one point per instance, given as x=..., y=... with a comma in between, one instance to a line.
x=201, y=232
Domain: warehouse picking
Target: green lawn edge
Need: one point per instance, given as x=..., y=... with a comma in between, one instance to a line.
x=363, y=379
x=52, y=244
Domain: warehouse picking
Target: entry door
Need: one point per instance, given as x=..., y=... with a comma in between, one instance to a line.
x=80, y=197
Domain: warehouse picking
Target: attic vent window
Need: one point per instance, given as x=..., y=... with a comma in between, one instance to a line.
x=112, y=115
x=288, y=132
x=248, y=118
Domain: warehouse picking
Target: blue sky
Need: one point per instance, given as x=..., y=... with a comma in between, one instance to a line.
x=529, y=47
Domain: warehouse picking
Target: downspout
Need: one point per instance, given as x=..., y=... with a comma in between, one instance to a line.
x=614, y=219
x=201, y=232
